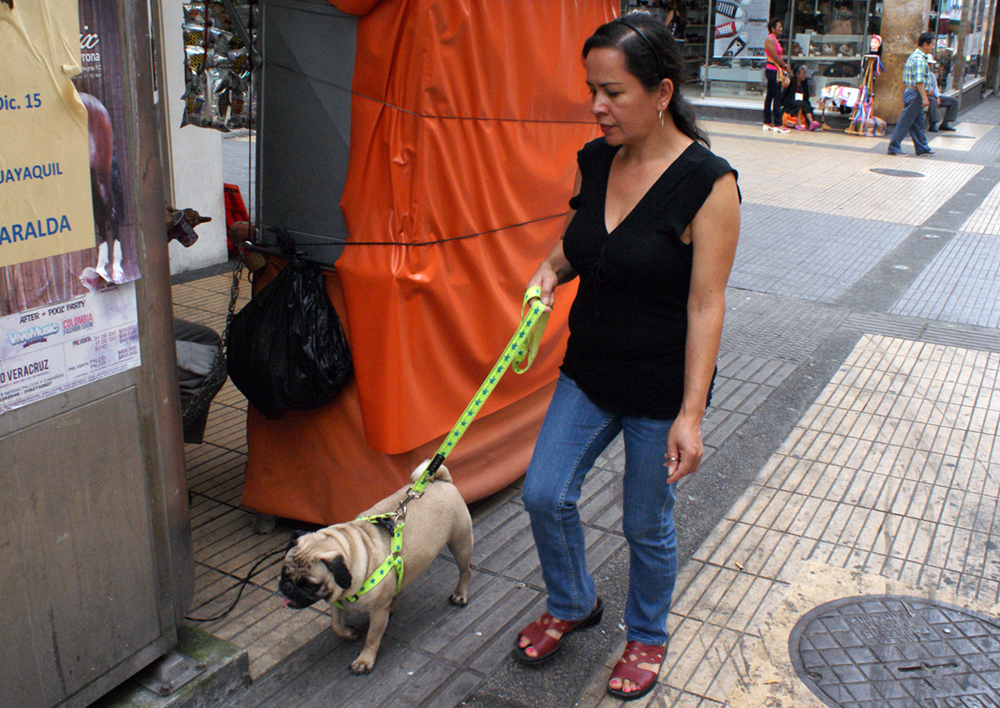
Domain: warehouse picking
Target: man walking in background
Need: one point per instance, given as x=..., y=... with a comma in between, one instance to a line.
x=916, y=78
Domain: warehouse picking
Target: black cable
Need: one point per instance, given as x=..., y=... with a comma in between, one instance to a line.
x=335, y=242
x=242, y=586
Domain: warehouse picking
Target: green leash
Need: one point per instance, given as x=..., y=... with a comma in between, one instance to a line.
x=521, y=352
x=523, y=347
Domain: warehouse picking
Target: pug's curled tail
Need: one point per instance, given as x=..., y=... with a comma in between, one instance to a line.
x=442, y=472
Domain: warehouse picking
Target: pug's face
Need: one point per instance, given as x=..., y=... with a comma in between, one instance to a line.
x=310, y=575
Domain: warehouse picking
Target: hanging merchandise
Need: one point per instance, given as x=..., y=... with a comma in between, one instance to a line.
x=217, y=64
x=864, y=121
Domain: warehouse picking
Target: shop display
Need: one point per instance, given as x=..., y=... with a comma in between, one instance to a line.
x=217, y=63
x=864, y=121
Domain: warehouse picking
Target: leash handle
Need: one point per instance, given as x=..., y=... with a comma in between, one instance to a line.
x=521, y=349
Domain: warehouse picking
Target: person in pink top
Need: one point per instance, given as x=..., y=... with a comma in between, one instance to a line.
x=772, y=100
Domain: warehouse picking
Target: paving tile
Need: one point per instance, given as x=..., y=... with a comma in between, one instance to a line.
x=846, y=186
x=833, y=252
x=967, y=265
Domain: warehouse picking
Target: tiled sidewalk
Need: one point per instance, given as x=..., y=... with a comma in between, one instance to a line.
x=892, y=473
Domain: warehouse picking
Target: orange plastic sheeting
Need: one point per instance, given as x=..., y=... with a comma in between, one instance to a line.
x=465, y=121
x=354, y=7
x=315, y=466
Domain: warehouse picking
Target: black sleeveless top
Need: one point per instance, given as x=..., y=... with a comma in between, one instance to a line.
x=628, y=323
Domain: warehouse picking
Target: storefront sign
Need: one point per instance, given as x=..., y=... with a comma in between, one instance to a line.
x=740, y=29
x=45, y=205
x=60, y=347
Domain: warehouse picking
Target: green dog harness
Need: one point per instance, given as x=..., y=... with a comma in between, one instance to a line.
x=393, y=562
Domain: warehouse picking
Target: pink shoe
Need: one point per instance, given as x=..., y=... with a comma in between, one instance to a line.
x=799, y=126
x=814, y=125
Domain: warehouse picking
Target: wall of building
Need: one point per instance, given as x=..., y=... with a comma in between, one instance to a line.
x=193, y=175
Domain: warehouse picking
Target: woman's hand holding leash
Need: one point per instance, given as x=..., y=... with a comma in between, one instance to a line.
x=546, y=280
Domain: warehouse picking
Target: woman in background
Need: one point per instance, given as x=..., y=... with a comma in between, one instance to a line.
x=795, y=101
x=775, y=64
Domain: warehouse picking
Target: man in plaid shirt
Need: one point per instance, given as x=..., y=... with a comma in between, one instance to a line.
x=916, y=78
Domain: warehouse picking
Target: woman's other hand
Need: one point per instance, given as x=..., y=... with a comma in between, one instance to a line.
x=684, y=448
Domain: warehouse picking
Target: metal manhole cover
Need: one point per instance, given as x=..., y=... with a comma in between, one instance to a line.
x=899, y=652
x=895, y=173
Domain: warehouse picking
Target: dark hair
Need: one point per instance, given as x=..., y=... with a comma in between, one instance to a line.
x=651, y=55
x=805, y=81
x=925, y=38
x=772, y=23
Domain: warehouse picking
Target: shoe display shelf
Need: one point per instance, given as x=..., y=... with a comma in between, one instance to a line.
x=829, y=58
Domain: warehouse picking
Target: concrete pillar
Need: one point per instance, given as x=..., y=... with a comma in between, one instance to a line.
x=902, y=23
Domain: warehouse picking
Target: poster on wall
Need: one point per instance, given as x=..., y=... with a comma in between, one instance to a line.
x=103, y=253
x=740, y=29
x=45, y=205
x=56, y=348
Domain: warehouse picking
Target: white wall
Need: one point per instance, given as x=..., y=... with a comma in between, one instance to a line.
x=194, y=176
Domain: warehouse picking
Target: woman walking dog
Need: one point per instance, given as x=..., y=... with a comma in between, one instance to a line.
x=652, y=236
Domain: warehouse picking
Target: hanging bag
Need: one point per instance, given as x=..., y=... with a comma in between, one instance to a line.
x=286, y=348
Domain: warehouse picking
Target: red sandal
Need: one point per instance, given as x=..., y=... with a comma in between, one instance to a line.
x=627, y=669
x=545, y=645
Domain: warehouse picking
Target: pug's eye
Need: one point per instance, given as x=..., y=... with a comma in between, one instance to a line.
x=309, y=585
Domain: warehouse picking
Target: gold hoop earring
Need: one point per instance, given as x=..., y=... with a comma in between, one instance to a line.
x=661, y=117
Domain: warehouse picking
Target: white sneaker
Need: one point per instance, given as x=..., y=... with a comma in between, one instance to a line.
x=781, y=129
x=766, y=127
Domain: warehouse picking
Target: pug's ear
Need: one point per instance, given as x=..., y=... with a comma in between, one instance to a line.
x=341, y=575
x=294, y=538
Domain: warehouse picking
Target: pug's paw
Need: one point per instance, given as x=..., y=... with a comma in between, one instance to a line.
x=362, y=666
x=458, y=599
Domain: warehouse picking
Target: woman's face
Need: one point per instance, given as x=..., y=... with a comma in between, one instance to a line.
x=778, y=30
x=801, y=74
x=624, y=109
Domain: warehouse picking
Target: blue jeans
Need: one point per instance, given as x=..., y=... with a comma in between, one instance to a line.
x=574, y=433
x=911, y=121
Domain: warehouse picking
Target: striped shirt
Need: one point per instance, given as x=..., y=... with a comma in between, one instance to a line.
x=916, y=70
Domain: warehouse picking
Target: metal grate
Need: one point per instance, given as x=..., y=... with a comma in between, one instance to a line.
x=905, y=652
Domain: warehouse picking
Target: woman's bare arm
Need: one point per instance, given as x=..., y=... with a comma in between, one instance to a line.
x=714, y=233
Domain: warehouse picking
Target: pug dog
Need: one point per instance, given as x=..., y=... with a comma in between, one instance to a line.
x=331, y=564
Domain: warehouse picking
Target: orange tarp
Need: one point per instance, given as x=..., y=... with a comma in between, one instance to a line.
x=465, y=122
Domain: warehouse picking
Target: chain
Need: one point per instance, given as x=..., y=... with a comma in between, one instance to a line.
x=234, y=294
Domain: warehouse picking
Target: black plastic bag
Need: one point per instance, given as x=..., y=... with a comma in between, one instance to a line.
x=286, y=348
